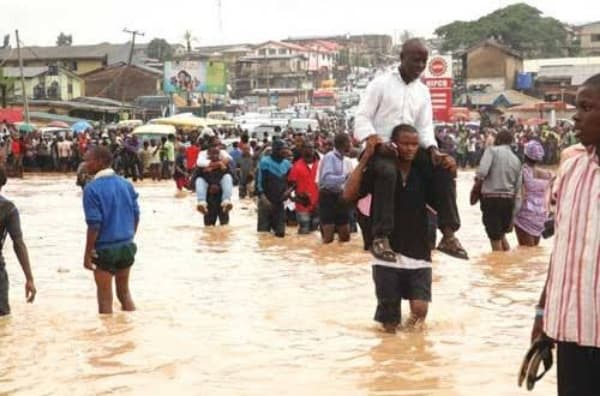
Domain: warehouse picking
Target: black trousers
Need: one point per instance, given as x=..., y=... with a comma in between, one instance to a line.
x=578, y=370
x=271, y=219
x=384, y=187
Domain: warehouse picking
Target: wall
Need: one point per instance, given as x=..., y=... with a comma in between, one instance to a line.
x=63, y=81
x=513, y=66
x=587, y=45
x=486, y=62
x=83, y=66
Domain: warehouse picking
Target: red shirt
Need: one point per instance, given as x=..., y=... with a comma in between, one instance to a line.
x=16, y=147
x=191, y=155
x=306, y=182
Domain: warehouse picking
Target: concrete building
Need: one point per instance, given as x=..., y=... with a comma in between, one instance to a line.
x=79, y=59
x=281, y=78
x=491, y=66
x=45, y=82
x=589, y=36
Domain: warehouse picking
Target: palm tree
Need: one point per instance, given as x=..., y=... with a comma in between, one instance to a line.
x=189, y=38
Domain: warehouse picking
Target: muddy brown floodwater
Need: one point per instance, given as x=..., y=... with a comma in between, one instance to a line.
x=224, y=311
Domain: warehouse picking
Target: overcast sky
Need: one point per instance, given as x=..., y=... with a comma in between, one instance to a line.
x=90, y=22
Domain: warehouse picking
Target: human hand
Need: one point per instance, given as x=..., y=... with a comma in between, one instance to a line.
x=30, y=291
x=88, y=264
x=441, y=159
x=372, y=143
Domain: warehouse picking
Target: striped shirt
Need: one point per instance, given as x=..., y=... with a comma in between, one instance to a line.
x=572, y=311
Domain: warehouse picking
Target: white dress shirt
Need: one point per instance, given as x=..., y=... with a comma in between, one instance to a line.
x=388, y=101
x=203, y=160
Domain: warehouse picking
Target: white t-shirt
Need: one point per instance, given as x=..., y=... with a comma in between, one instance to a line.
x=64, y=149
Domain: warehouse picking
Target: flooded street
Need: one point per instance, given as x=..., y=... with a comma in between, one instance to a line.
x=224, y=311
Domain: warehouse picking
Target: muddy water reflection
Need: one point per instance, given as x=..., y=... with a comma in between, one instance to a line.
x=224, y=311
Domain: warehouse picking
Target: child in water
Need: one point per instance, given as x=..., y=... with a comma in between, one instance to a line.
x=112, y=215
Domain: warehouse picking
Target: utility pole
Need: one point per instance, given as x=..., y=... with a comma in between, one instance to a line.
x=133, y=34
x=25, y=100
x=267, y=69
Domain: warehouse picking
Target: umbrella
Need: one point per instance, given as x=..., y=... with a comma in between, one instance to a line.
x=58, y=124
x=26, y=128
x=535, y=121
x=81, y=126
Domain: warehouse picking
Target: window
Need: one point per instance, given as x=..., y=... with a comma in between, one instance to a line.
x=272, y=51
x=262, y=52
x=70, y=89
x=282, y=51
x=595, y=38
x=74, y=66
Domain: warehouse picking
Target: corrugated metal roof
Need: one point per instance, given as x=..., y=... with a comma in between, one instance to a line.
x=577, y=73
x=505, y=98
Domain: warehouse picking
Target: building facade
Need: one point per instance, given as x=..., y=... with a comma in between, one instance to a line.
x=589, y=36
x=45, y=82
x=492, y=66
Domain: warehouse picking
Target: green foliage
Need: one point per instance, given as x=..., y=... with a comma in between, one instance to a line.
x=159, y=49
x=63, y=40
x=519, y=26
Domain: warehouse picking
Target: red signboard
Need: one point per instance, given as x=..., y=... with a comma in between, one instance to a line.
x=438, y=67
x=441, y=97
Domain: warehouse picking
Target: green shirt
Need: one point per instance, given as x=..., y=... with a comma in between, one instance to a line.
x=170, y=148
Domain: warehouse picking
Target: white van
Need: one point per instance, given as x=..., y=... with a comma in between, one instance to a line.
x=302, y=124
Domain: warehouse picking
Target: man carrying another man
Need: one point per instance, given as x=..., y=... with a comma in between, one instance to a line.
x=401, y=98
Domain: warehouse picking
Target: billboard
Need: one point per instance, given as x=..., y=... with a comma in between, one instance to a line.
x=195, y=76
x=438, y=78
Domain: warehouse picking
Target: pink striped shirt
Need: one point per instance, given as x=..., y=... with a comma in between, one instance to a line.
x=572, y=311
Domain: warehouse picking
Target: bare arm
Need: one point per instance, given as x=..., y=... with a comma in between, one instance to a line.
x=90, y=243
x=23, y=256
x=13, y=226
x=352, y=190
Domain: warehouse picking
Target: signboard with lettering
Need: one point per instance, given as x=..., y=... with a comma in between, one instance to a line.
x=438, y=78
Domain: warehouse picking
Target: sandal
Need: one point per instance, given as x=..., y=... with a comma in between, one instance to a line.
x=381, y=250
x=540, y=351
x=452, y=247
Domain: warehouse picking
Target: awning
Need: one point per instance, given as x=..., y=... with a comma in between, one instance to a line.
x=11, y=115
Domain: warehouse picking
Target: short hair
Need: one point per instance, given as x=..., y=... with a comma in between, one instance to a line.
x=503, y=137
x=2, y=176
x=398, y=129
x=593, y=82
x=102, y=155
x=340, y=140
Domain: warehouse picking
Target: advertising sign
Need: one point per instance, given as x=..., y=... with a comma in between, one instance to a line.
x=195, y=76
x=438, y=78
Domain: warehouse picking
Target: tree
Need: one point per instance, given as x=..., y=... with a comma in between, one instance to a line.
x=7, y=85
x=518, y=26
x=189, y=38
x=405, y=36
x=63, y=40
x=159, y=49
